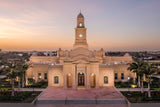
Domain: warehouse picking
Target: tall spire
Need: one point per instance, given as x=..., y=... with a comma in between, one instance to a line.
x=80, y=15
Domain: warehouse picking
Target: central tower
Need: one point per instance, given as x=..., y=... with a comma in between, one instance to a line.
x=80, y=33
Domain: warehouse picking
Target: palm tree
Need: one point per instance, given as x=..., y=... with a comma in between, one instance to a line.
x=141, y=73
x=150, y=69
x=12, y=75
x=19, y=74
x=136, y=68
x=21, y=68
x=24, y=68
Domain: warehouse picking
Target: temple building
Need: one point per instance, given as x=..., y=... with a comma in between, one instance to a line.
x=80, y=68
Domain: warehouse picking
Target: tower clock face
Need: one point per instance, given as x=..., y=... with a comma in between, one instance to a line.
x=80, y=24
x=80, y=35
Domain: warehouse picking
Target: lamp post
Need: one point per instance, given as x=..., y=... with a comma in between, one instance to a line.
x=33, y=83
x=128, y=82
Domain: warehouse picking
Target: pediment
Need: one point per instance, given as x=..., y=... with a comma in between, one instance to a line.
x=80, y=61
x=80, y=56
x=81, y=51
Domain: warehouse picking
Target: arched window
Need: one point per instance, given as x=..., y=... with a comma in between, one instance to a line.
x=105, y=80
x=56, y=80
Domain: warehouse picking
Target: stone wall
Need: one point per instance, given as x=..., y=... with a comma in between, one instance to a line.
x=109, y=72
x=52, y=73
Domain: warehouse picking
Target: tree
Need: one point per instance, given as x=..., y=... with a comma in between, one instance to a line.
x=150, y=69
x=137, y=67
x=19, y=74
x=21, y=67
x=12, y=75
x=24, y=68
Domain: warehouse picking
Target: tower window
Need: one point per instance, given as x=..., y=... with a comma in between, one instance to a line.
x=116, y=76
x=105, y=80
x=122, y=75
x=56, y=80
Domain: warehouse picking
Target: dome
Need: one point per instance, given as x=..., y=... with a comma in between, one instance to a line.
x=126, y=55
x=80, y=15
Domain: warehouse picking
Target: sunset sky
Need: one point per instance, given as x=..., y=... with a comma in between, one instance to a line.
x=115, y=25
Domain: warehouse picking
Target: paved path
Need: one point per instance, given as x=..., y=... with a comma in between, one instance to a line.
x=42, y=89
x=29, y=89
x=60, y=93
x=102, y=97
x=131, y=89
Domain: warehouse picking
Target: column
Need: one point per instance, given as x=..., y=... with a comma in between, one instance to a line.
x=73, y=78
x=64, y=81
x=97, y=75
x=88, y=78
x=76, y=76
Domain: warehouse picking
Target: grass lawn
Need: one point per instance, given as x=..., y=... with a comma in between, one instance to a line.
x=138, y=97
x=20, y=97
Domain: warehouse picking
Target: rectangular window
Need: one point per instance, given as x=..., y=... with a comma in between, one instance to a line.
x=122, y=75
x=39, y=76
x=45, y=75
x=116, y=76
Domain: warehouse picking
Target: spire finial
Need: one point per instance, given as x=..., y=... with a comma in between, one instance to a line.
x=80, y=15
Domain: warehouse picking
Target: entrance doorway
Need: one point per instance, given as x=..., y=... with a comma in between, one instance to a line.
x=69, y=81
x=81, y=80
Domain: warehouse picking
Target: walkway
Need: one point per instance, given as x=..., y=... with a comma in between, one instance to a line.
x=29, y=89
x=42, y=89
x=131, y=89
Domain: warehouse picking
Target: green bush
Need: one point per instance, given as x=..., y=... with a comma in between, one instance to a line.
x=19, y=96
x=41, y=84
x=138, y=97
x=121, y=84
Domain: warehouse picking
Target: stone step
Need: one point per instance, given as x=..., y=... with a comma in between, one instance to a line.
x=50, y=105
x=70, y=102
x=83, y=102
x=54, y=102
x=111, y=102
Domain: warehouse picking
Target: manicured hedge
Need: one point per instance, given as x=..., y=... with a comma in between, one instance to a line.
x=41, y=84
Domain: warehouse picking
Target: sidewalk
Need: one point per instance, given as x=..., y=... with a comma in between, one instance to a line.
x=29, y=89
x=119, y=89
x=131, y=89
